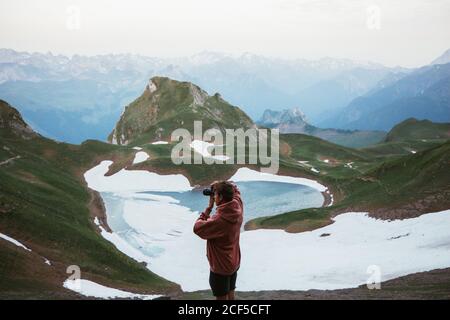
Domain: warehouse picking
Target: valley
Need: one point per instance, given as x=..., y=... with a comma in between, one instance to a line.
x=57, y=199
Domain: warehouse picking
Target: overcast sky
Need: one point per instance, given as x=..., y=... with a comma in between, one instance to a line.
x=392, y=32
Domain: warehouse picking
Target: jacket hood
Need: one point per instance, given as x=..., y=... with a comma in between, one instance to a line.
x=230, y=211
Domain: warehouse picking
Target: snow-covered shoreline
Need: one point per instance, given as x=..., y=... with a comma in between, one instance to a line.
x=333, y=257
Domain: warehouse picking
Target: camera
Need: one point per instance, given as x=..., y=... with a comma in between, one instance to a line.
x=208, y=192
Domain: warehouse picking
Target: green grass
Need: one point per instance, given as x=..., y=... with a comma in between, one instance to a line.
x=352, y=139
x=44, y=199
x=48, y=210
x=294, y=221
x=413, y=184
x=401, y=147
x=413, y=129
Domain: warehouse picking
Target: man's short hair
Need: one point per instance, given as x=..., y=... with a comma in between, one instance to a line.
x=225, y=189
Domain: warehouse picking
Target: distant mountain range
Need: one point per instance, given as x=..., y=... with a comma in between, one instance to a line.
x=294, y=121
x=80, y=97
x=422, y=94
x=54, y=90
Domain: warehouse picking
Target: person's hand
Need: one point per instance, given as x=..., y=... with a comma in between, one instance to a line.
x=211, y=202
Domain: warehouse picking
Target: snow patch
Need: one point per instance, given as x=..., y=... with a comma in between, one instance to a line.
x=133, y=180
x=122, y=245
x=160, y=142
x=91, y=289
x=13, y=241
x=140, y=156
x=349, y=165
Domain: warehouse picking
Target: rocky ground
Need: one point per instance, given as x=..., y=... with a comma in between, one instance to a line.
x=419, y=286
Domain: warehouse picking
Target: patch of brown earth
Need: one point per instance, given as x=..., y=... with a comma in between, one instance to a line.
x=285, y=149
x=413, y=209
x=97, y=210
x=31, y=178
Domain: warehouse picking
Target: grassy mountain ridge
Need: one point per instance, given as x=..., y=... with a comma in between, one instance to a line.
x=418, y=129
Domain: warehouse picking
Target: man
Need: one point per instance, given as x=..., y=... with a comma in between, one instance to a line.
x=222, y=232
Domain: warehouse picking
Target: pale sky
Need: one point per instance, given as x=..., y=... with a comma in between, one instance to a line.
x=409, y=33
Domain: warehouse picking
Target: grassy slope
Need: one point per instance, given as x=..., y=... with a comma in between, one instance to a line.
x=44, y=204
x=413, y=129
x=386, y=184
x=353, y=139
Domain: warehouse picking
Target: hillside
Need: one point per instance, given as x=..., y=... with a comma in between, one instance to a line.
x=294, y=121
x=45, y=204
x=167, y=105
x=11, y=123
x=413, y=129
x=388, y=186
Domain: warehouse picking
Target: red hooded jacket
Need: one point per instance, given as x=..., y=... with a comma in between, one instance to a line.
x=222, y=231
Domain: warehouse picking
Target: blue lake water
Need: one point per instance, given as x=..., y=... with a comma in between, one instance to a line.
x=261, y=198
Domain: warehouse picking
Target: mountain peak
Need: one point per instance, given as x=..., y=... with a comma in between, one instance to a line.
x=11, y=122
x=286, y=116
x=168, y=104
